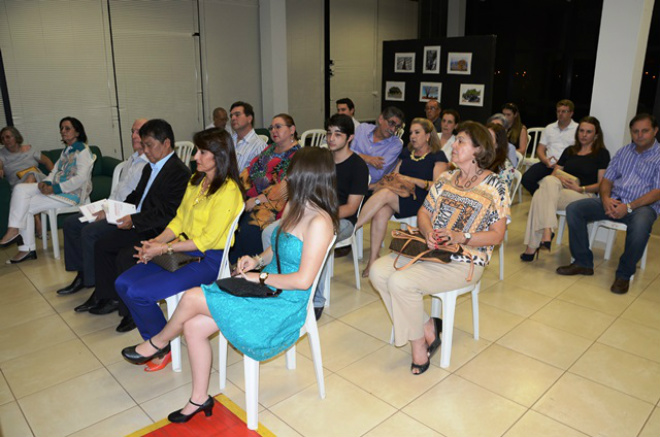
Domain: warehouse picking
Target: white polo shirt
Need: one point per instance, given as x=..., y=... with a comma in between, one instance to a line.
x=556, y=140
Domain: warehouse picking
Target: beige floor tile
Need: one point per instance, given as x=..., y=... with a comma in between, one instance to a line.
x=15, y=287
x=621, y=371
x=541, y=281
x=634, y=338
x=336, y=414
x=341, y=345
x=86, y=323
x=12, y=421
x=510, y=374
x=120, y=424
x=32, y=336
x=652, y=426
x=6, y=395
x=386, y=374
x=597, y=298
x=344, y=299
x=402, y=425
x=493, y=322
x=24, y=311
x=604, y=276
x=573, y=318
x=74, y=405
x=513, y=299
x=464, y=348
x=371, y=319
x=598, y=410
x=645, y=312
x=456, y=407
x=45, y=368
x=276, y=382
x=538, y=425
x=276, y=425
x=550, y=345
x=107, y=343
x=652, y=292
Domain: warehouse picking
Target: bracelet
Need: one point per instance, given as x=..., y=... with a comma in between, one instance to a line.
x=260, y=261
x=170, y=249
x=584, y=189
x=426, y=188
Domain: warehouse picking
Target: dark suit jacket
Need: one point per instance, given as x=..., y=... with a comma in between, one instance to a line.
x=163, y=198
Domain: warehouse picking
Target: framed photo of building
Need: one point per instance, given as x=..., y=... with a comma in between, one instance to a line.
x=395, y=91
x=431, y=60
x=404, y=62
x=459, y=63
x=430, y=91
x=471, y=94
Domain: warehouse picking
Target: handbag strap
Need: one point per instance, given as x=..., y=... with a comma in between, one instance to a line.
x=277, y=251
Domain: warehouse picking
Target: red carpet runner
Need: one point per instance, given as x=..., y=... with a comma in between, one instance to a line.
x=228, y=419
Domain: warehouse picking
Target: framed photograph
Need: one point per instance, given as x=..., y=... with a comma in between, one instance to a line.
x=471, y=94
x=459, y=63
x=430, y=91
x=431, y=60
x=395, y=91
x=404, y=62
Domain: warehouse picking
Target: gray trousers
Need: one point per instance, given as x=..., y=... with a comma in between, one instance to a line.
x=79, y=241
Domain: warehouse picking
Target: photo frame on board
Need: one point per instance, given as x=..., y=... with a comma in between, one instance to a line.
x=431, y=60
x=471, y=94
x=404, y=62
x=395, y=91
x=430, y=91
x=459, y=63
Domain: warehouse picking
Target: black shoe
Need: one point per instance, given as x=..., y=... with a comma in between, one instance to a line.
x=433, y=348
x=547, y=245
x=421, y=368
x=88, y=305
x=104, y=306
x=318, y=311
x=529, y=257
x=342, y=251
x=131, y=355
x=16, y=240
x=620, y=286
x=28, y=255
x=127, y=324
x=206, y=407
x=77, y=285
x=574, y=269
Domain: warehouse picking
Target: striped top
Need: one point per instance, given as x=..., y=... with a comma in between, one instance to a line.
x=634, y=174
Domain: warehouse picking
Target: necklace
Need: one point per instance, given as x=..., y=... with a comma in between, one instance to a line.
x=470, y=181
x=201, y=195
x=417, y=158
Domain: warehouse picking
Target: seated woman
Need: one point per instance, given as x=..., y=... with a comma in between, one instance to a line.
x=576, y=176
x=265, y=187
x=467, y=206
x=209, y=207
x=260, y=328
x=18, y=161
x=501, y=165
x=67, y=184
x=402, y=192
x=516, y=132
x=449, y=119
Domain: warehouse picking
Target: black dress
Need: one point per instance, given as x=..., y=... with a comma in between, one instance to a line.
x=408, y=206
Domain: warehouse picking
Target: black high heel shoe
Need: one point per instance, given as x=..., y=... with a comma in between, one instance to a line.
x=17, y=239
x=206, y=407
x=28, y=256
x=547, y=245
x=131, y=355
x=433, y=348
x=529, y=257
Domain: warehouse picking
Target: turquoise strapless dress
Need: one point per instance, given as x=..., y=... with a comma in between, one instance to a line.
x=263, y=327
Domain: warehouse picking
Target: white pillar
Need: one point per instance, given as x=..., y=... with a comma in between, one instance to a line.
x=456, y=18
x=624, y=32
x=274, y=75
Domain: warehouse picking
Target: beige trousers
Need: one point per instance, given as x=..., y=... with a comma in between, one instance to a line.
x=548, y=199
x=403, y=291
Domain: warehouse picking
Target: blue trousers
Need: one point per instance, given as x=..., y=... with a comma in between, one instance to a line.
x=143, y=285
x=639, y=223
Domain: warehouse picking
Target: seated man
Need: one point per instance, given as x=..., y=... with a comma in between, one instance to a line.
x=246, y=141
x=220, y=119
x=555, y=139
x=157, y=197
x=432, y=110
x=80, y=237
x=352, y=186
x=630, y=194
x=378, y=145
x=347, y=107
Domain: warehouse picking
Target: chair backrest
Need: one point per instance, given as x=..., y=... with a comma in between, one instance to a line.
x=515, y=183
x=183, y=150
x=87, y=187
x=534, y=135
x=310, y=303
x=400, y=131
x=116, y=175
x=520, y=160
x=317, y=137
x=264, y=138
x=224, y=263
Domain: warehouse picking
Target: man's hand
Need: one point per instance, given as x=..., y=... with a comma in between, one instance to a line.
x=99, y=215
x=125, y=222
x=609, y=205
x=45, y=189
x=618, y=211
x=375, y=161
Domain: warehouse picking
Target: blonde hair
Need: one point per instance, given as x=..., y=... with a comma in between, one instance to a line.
x=434, y=139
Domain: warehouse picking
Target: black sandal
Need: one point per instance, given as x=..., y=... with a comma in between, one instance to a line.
x=433, y=348
x=420, y=367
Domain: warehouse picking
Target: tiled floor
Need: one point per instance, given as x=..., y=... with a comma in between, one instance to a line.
x=558, y=356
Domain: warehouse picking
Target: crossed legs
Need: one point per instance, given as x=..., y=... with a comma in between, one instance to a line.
x=378, y=209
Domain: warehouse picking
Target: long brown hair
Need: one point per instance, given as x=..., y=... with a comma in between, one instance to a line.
x=501, y=146
x=311, y=178
x=219, y=143
x=598, y=141
x=516, y=125
x=434, y=139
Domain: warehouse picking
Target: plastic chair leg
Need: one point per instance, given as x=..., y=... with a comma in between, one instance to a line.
x=251, y=370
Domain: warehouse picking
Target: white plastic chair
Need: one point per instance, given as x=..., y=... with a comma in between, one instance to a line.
x=316, y=136
x=406, y=222
x=535, y=135
x=612, y=227
x=173, y=301
x=399, y=132
x=264, y=138
x=183, y=150
x=50, y=215
x=251, y=367
x=520, y=158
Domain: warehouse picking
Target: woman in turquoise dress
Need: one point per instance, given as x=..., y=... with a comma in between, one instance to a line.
x=259, y=327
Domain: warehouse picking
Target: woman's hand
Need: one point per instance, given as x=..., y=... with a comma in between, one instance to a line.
x=445, y=236
x=45, y=189
x=149, y=250
x=250, y=276
x=245, y=264
x=571, y=185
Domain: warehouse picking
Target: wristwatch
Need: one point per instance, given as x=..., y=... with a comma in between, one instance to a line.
x=467, y=236
x=257, y=201
x=262, y=278
x=629, y=208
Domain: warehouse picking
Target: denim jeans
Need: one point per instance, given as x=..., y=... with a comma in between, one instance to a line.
x=639, y=223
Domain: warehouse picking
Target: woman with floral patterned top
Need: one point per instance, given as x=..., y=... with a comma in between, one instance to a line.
x=467, y=206
x=265, y=187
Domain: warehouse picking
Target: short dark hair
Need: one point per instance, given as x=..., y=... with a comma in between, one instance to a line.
x=219, y=143
x=457, y=116
x=644, y=116
x=566, y=102
x=158, y=129
x=482, y=140
x=343, y=122
x=78, y=126
x=346, y=101
x=14, y=133
x=393, y=111
x=247, y=109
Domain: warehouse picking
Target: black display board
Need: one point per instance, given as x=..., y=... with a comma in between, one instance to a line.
x=472, y=54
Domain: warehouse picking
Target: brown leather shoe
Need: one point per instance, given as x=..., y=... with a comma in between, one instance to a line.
x=574, y=269
x=620, y=286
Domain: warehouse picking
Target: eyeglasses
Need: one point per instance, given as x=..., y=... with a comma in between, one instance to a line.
x=394, y=125
x=277, y=127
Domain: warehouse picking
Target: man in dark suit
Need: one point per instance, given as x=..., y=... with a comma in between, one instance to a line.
x=156, y=197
